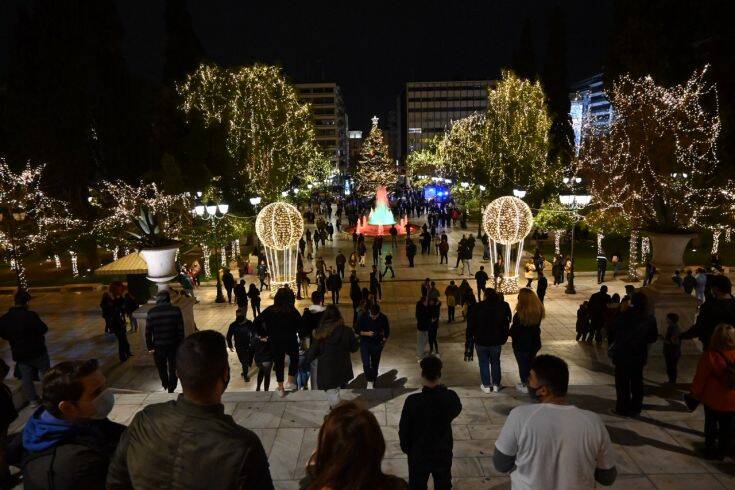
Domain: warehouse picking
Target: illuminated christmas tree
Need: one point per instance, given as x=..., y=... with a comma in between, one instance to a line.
x=376, y=168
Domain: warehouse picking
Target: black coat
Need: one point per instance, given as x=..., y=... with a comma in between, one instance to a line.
x=711, y=313
x=334, y=369
x=488, y=324
x=24, y=330
x=425, y=429
x=526, y=338
x=423, y=316
x=241, y=296
x=281, y=327
x=164, y=327
x=634, y=330
x=241, y=333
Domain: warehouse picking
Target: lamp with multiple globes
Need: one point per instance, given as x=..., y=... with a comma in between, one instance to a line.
x=574, y=202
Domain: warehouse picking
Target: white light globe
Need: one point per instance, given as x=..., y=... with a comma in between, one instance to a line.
x=279, y=225
x=507, y=220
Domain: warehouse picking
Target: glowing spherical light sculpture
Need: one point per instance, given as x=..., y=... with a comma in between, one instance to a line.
x=279, y=225
x=507, y=220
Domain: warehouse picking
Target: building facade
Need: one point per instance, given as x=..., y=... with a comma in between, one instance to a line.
x=355, y=146
x=430, y=107
x=330, y=119
x=589, y=105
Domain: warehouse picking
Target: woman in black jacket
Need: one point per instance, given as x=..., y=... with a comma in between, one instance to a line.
x=332, y=346
x=526, y=333
x=280, y=323
x=254, y=295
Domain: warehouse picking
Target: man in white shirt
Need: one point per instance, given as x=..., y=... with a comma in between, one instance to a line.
x=553, y=444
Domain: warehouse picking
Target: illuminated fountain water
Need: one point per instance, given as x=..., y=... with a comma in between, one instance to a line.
x=380, y=219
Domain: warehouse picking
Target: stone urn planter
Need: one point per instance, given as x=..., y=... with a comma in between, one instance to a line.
x=664, y=295
x=161, y=264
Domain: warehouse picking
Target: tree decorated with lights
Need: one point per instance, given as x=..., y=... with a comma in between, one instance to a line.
x=461, y=150
x=516, y=138
x=376, y=168
x=555, y=217
x=425, y=161
x=119, y=206
x=29, y=218
x=657, y=162
x=269, y=132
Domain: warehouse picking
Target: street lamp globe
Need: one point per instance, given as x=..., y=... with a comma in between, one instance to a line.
x=199, y=210
x=519, y=193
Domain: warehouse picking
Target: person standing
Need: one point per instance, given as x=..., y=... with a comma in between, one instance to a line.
x=69, y=441
x=481, y=278
x=334, y=285
x=433, y=332
x=525, y=331
x=26, y=333
x=241, y=297
x=241, y=330
x=488, y=327
x=262, y=274
x=716, y=310
x=410, y=251
x=393, y=235
x=597, y=304
x=672, y=346
x=340, y=260
x=190, y=442
x=117, y=320
x=164, y=332
x=425, y=429
x=423, y=324
x=529, y=445
x=375, y=288
x=373, y=329
x=541, y=286
x=689, y=282
x=557, y=269
x=601, y=267
x=254, y=295
x=451, y=293
x=332, y=346
x=714, y=387
x=362, y=251
x=228, y=281
x=634, y=330
x=376, y=251
x=444, y=250
x=388, y=265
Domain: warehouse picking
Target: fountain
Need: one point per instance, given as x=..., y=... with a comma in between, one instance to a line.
x=380, y=219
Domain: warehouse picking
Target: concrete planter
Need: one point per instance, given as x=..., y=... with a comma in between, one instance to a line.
x=668, y=250
x=161, y=264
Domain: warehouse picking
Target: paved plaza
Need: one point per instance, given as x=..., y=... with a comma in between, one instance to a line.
x=656, y=450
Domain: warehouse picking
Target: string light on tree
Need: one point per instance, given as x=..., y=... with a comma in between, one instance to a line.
x=716, y=241
x=74, y=263
x=645, y=248
x=376, y=168
x=633, y=258
x=279, y=226
x=507, y=220
x=57, y=261
x=205, y=260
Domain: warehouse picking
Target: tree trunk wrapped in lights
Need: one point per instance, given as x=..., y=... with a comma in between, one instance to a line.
x=716, y=241
x=553, y=215
x=633, y=257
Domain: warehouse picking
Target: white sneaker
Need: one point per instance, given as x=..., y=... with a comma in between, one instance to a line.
x=370, y=385
x=485, y=389
x=496, y=388
x=522, y=388
x=290, y=387
x=437, y=355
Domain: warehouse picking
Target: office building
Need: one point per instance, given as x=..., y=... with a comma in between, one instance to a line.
x=355, y=145
x=589, y=106
x=330, y=119
x=430, y=107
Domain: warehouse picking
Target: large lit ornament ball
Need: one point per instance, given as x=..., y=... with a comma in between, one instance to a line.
x=507, y=220
x=279, y=225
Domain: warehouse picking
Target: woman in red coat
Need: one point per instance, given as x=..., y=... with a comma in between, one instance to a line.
x=715, y=389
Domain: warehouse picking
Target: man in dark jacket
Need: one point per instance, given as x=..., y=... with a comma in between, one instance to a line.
x=190, y=442
x=375, y=288
x=25, y=332
x=374, y=330
x=689, y=282
x=481, y=278
x=635, y=328
x=164, y=331
x=425, y=429
x=598, y=303
x=601, y=267
x=410, y=249
x=720, y=309
x=241, y=297
x=68, y=442
x=488, y=327
x=340, y=260
x=228, y=281
x=334, y=285
x=241, y=331
x=541, y=286
x=423, y=324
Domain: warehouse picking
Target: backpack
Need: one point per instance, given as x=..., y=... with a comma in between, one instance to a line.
x=728, y=376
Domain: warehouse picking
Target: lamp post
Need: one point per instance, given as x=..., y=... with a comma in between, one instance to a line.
x=519, y=193
x=574, y=202
x=12, y=217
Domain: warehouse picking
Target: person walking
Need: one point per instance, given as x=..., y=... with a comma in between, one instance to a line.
x=425, y=429
x=241, y=331
x=340, y=260
x=393, y=235
x=423, y=324
x=279, y=323
x=601, y=267
x=117, y=320
x=410, y=251
x=557, y=270
x=451, y=293
x=164, y=332
x=262, y=274
x=263, y=358
x=373, y=329
x=362, y=251
x=388, y=260
x=634, y=330
x=525, y=331
x=433, y=332
x=689, y=283
x=241, y=297
x=254, y=295
x=597, y=303
x=444, y=251
x=714, y=387
x=376, y=251
x=190, y=442
x=375, y=288
x=334, y=285
x=716, y=310
x=228, y=281
x=672, y=346
x=488, y=327
x=26, y=333
x=349, y=453
x=529, y=447
x=481, y=278
x=541, y=286
x=332, y=345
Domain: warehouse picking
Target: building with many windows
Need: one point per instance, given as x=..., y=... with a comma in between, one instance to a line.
x=330, y=119
x=429, y=108
x=589, y=105
x=355, y=145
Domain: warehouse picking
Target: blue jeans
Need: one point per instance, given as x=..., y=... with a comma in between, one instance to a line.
x=26, y=369
x=524, y=360
x=370, y=353
x=488, y=357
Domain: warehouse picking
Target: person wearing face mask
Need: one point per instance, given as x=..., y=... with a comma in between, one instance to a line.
x=552, y=444
x=190, y=442
x=68, y=441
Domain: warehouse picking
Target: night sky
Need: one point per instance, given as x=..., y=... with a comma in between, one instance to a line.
x=369, y=48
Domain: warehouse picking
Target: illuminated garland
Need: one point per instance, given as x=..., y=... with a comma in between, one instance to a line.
x=376, y=167
x=716, y=241
x=633, y=257
x=268, y=131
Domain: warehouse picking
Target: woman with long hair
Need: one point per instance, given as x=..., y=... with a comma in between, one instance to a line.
x=350, y=449
x=332, y=345
x=526, y=333
x=714, y=387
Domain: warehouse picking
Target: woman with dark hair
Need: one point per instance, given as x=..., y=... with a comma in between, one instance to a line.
x=350, y=449
x=332, y=345
x=279, y=323
x=254, y=295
